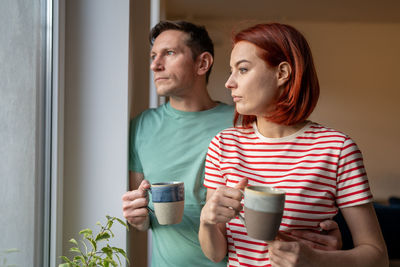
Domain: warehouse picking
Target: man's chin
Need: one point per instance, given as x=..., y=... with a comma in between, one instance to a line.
x=163, y=92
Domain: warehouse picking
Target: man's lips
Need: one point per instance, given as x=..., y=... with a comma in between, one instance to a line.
x=160, y=79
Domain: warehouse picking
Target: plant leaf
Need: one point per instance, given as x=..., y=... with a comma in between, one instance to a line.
x=102, y=236
x=108, y=251
x=84, y=244
x=79, y=258
x=123, y=223
x=74, y=249
x=94, y=244
x=111, y=261
x=109, y=224
x=86, y=232
x=66, y=259
x=73, y=241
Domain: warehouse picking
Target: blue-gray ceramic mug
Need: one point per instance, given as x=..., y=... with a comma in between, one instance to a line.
x=168, y=199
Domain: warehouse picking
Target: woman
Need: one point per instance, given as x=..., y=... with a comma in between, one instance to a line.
x=275, y=87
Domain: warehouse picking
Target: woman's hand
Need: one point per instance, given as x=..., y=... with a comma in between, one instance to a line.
x=290, y=254
x=223, y=205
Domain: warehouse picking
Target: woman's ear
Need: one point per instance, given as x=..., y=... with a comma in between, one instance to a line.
x=205, y=61
x=284, y=73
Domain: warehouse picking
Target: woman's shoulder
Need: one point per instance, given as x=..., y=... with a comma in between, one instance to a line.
x=318, y=129
x=236, y=133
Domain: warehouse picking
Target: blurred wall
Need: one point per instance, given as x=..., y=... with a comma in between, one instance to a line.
x=96, y=115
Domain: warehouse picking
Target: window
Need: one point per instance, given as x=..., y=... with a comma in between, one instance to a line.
x=26, y=152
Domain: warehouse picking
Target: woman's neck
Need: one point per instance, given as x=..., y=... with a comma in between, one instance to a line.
x=273, y=130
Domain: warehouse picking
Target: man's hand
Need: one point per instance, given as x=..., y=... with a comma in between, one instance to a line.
x=328, y=239
x=134, y=206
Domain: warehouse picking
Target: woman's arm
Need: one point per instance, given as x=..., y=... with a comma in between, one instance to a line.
x=212, y=235
x=369, y=246
x=223, y=204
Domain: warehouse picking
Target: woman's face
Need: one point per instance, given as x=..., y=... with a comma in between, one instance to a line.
x=254, y=84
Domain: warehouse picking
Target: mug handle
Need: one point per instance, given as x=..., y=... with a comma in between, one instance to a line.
x=148, y=208
x=241, y=217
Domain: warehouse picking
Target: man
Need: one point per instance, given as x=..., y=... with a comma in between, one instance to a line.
x=170, y=143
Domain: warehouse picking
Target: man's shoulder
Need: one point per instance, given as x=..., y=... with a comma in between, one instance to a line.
x=225, y=107
x=148, y=114
x=222, y=111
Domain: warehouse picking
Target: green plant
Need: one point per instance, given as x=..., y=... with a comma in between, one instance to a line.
x=90, y=253
x=3, y=257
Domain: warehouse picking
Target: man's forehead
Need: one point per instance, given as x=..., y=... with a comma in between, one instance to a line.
x=170, y=39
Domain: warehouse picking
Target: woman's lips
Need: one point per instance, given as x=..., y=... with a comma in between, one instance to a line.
x=236, y=98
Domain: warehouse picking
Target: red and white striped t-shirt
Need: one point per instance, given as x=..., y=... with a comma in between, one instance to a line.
x=320, y=169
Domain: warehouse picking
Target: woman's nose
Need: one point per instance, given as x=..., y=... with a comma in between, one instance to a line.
x=230, y=83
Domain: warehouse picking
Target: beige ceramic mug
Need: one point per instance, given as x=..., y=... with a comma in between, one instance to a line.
x=168, y=199
x=263, y=210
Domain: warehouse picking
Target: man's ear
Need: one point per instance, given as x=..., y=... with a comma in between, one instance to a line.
x=284, y=72
x=204, y=61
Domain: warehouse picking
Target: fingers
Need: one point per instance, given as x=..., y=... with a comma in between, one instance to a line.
x=141, y=192
x=222, y=206
x=228, y=192
x=329, y=225
x=144, y=185
x=318, y=240
x=241, y=184
x=134, y=204
x=284, y=253
x=285, y=237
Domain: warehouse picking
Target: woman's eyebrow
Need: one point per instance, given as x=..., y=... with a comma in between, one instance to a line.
x=241, y=61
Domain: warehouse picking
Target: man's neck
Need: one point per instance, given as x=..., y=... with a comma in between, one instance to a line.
x=192, y=104
x=196, y=99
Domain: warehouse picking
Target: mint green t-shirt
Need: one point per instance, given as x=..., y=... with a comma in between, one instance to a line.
x=171, y=145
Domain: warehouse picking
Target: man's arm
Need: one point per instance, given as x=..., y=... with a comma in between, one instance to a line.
x=134, y=202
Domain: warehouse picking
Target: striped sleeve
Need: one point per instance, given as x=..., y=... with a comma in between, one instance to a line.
x=213, y=177
x=352, y=181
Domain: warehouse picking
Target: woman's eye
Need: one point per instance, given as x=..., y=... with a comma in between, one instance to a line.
x=242, y=70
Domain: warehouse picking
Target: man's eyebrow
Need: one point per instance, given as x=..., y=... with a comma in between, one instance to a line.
x=164, y=49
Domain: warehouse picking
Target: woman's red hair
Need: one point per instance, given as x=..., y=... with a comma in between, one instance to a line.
x=279, y=43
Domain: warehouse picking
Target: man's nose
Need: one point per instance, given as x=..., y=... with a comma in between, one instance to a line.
x=156, y=64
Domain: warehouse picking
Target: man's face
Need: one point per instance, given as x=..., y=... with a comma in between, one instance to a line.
x=172, y=64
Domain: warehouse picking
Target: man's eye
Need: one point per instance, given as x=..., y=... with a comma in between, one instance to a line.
x=170, y=52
